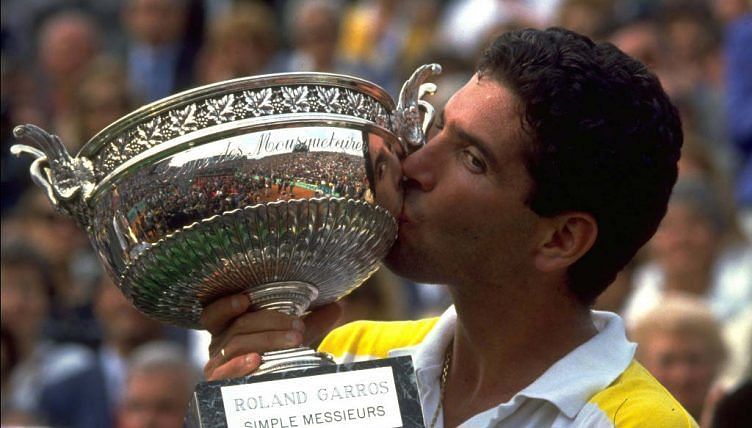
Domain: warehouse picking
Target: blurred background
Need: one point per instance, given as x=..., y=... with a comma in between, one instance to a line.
x=75, y=353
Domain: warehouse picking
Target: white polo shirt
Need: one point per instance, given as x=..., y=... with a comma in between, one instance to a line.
x=555, y=399
x=598, y=384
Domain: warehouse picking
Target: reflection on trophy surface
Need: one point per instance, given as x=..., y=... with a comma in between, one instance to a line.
x=281, y=186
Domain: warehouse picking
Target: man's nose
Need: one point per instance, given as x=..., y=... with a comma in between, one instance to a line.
x=419, y=168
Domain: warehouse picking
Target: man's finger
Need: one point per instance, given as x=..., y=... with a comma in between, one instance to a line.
x=256, y=342
x=217, y=315
x=255, y=322
x=241, y=365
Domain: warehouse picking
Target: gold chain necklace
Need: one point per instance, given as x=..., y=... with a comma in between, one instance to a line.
x=442, y=384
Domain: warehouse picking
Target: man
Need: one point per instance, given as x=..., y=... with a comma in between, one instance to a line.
x=681, y=343
x=561, y=155
x=158, y=387
x=159, y=60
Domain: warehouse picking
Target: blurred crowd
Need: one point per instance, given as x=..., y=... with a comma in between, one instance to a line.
x=75, y=353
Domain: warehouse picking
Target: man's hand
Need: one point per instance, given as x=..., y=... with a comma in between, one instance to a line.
x=239, y=337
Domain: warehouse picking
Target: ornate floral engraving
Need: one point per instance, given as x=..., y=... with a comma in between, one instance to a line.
x=243, y=104
x=357, y=103
x=221, y=110
x=378, y=114
x=295, y=99
x=109, y=158
x=329, y=98
x=259, y=103
x=150, y=133
x=183, y=121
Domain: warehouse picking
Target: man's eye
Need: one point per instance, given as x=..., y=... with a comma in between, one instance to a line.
x=473, y=162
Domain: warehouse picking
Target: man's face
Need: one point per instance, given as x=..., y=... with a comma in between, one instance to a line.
x=156, y=22
x=66, y=49
x=155, y=399
x=686, y=242
x=464, y=217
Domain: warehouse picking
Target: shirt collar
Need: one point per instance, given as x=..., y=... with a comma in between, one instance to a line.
x=587, y=369
x=569, y=383
x=429, y=353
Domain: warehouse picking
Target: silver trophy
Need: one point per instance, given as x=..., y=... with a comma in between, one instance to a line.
x=281, y=186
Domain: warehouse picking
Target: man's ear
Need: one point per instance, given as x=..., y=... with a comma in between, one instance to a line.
x=565, y=238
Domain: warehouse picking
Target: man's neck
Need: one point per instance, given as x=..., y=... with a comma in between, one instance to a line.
x=505, y=341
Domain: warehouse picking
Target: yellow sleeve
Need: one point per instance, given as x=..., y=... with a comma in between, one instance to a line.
x=363, y=340
x=637, y=399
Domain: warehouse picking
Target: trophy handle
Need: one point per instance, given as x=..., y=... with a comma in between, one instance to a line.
x=68, y=182
x=428, y=110
x=410, y=128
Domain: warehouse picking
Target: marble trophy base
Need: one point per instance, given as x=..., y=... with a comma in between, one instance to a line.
x=379, y=393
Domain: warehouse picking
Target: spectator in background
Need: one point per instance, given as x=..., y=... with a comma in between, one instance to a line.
x=695, y=77
x=242, y=41
x=738, y=59
x=689, y=255
x=314, y=27
x=26, y=292
x=90, y=397
x=68, y=43
x=641, y=39
x=593, y=18
x=700, y=161
x=158, y=387
x=728, y=11
x=680, y=344
x=419, y=40
x=102, y=97
x=385, y=36
x=158, y=59
x=691, y=35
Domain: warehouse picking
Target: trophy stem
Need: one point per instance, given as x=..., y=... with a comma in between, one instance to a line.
x=292, y=298
x=289, y=297
x=292, y=359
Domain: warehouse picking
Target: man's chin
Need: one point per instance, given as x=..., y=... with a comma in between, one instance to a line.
x=406, y=263
x=395, y=260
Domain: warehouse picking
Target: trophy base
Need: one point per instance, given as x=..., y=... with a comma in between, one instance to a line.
x=377, y=393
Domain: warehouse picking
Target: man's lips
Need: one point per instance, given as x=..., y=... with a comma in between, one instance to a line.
x=404, y=218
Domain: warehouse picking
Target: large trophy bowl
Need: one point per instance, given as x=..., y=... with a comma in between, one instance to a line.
x=284, y=187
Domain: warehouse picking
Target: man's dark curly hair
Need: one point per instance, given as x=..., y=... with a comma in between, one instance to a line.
x=605, y=140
